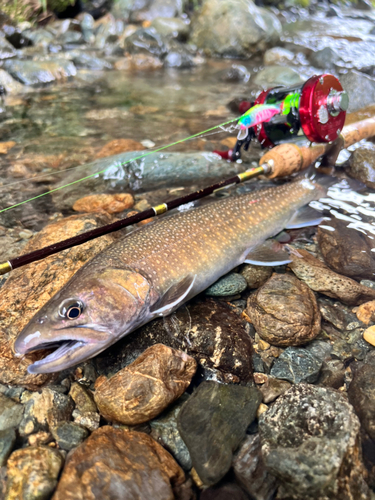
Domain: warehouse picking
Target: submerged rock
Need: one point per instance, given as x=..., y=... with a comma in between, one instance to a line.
x=310, y=441
x=284, y=311
x=256, y=276
x=142, y=390
x=213, y=422
x=110, y=203
x=234, y=28
x=7, y=441
x=278, y=55
x=273, y=388
x=362, y=164
x=347, y=251
x=33, y=473
x=9, y=83
x=119, y=146
x=29, y=288
x=118, y=464
x=361, y=395
x=6, y=49
x=231, y=284
x=35, y=72
x=146, y=40
x=223, y=492
x=11, y=413
x=273, y=75
x=360, y=87
x=171, y=27
x=208, y=330
x=68, y=435
x=251, y=472
x=321, y=279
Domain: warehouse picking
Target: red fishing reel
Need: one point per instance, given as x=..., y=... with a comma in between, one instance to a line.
x=315, y=110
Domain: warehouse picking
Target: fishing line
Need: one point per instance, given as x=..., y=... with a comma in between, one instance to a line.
x=194, y=136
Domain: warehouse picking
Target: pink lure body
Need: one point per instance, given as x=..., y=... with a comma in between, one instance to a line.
x=259, y=113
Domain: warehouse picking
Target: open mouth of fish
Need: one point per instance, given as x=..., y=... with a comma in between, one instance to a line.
x=67, y=353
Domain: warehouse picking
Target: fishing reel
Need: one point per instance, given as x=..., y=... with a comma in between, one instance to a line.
x=315, y=110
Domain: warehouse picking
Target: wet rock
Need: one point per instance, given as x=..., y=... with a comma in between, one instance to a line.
x=232, y=28
x=273, y=388
x=7, y=441
x=361, y=395
x=277, y=75
x=256, y=276
x=366, y=312
x=10, y=413
x=251, y=472
x=164, y=430
x=335, y=313
x=213, y=422
x=278, y=55
x=82, y=398
x=360, y=87
x=71, y=38
x=35, y=72
x=310, y=441
x=110, y=203
x=171, y=27
x=84, y=60
x=29, y=288
x=299, y=364
x=146, y=40
x=362, y=165
x=6, y=49
x=87, y=24
x=231, y=284
x=9, y=83
x=284, y=311
x=223, y=492
x=142, y=390
x=179, y=56
x=68, y=435
x=119, y=146
x=209, y=330
x=236, y=73
x=118, y=464
x=332, y=373
x=139, y=62
x=33, y=473
x=43, y=409
x=40, y=36
x=321, y=279
x=369, y=335
x=345, y=250
x=325, y=58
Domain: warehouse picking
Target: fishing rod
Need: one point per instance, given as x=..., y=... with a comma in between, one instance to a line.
x=284, y=159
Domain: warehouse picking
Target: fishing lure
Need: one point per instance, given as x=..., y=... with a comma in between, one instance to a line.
x=257, y=114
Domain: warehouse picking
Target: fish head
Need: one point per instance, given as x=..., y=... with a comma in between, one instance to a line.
x=86, y=316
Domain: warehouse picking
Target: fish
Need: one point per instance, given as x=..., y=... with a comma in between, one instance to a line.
x=155, y=269
x=257, y=114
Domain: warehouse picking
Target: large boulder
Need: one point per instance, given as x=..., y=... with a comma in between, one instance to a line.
x=234, y=28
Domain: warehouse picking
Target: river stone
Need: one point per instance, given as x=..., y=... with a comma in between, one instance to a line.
x=10, y=413
x=179, y=56
x=224, y=491
x=29, y=288
x=233, y=28
x=68, y=435
x=284, y=311
x=85, y=60
x=251, y=472
x=164, y=430
x=150, y=172
x=361, y=395
x=9, y=83
x=146, y=41
x=33, y=473
x=273, y=75
x=39, y=36
x=142, y=390
x=321, y=279
x=208, y=330
x=171, y=27
x=273, y=388
x=362, y=164
x=6, y=49
x=332, y=373
x=7, y=441
x=360, y=87
x=110, y=203
x=119, y=464
x=82, y=398
x=213, y=422
x=310, y=441
x=325, y=58
x=256, y=276
x=231, y=284
x=347, y=251
x=35, y=72
x=297, y=364
x=278, y=55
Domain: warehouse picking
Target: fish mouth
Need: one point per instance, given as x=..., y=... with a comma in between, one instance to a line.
x=68, y=353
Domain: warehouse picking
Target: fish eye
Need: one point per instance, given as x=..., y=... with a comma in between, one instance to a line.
x=71, y=310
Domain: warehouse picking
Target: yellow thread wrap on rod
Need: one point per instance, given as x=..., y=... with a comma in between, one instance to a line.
x=244, y=176
x=5, y=267
x=160, y=209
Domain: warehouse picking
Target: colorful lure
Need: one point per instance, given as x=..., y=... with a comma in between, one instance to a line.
x=259, y=113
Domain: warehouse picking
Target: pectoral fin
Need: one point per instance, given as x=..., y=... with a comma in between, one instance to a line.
x=269, y=253
x=304, y=217
x=173, y=296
